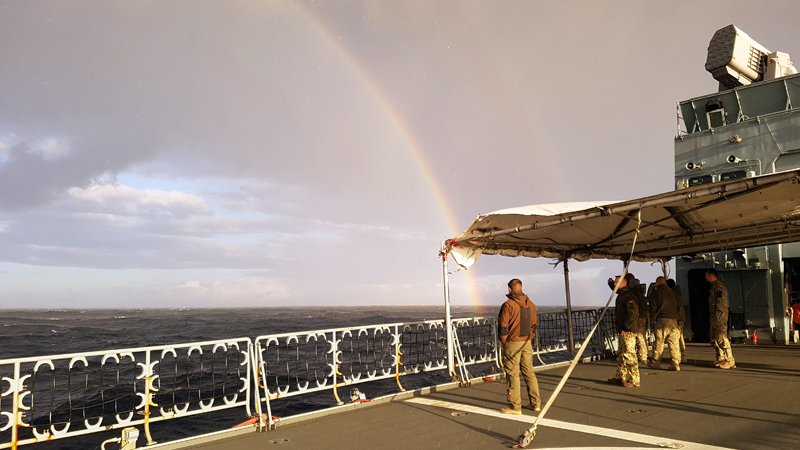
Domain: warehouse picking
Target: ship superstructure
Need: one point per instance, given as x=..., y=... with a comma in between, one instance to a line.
x=750, y=127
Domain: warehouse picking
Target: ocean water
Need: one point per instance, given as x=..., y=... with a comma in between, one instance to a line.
x=26, y=333
x=40, y=332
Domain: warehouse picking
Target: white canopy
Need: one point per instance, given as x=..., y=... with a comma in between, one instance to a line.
x=726, y=215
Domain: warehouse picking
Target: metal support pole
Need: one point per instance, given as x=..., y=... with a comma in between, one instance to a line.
x=451, y=368
x=664, y=267
x=569, y=305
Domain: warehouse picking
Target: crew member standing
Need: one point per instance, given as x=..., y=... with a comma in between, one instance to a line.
x=517, y=322
x=718, y=311
x=635, y=286
x=641, y=332
x=665, y=309
x=627, y=315
x=682, y=318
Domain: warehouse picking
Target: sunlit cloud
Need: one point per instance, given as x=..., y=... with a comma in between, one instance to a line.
x=124, y=200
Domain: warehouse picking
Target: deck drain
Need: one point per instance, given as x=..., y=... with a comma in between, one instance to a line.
x=584, y=388
x=459, y=413
x=669, y=445
x=280, y=441
x=635, y=411
x=680, y=390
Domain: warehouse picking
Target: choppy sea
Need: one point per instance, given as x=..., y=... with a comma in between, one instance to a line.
x=25, y=333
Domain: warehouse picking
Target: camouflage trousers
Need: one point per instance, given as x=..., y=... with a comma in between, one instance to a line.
x=641, y=342
x=516, y=356
x=627, y=364
x=667, y=329
x=721, y=343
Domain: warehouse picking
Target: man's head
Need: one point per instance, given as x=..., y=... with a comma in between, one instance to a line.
x=711, y=275
x=631, y=280
x=622, y=283
x=671, y=283
x=660, y=281
x=514, y=286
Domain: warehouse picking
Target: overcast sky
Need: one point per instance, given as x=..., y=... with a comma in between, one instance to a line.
x=257, y=153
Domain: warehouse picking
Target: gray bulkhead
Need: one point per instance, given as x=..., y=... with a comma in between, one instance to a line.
x=741, y=132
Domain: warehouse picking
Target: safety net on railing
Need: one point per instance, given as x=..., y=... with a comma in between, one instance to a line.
x=553, y=335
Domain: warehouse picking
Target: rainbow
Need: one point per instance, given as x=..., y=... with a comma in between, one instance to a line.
x=391, y=113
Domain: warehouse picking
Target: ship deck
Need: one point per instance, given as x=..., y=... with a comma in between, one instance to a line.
x=755, y=406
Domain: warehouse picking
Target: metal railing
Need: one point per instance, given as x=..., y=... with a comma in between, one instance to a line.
x=292, y=364
x=54, y=397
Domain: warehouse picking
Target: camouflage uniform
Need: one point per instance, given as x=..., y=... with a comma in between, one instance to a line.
x=667, y=329
x=627, y=315
x=665, y=310
x=641, y=342
x=627, y=365
x=635, y=286
x=681, y=321
x=718, y=310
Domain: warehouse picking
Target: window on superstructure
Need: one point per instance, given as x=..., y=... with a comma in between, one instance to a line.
x=733, y=175
x=703, y=179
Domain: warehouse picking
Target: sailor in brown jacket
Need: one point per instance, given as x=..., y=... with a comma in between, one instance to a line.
x=517, y=322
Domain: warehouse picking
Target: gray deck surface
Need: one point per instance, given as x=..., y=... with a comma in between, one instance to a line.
x=755, y=406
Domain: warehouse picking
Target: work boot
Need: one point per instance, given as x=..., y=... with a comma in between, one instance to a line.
x=536, y=408
x=674, y=368
x=628, y=384
x=513, y=412
x=642, y=362
x=719, y=363
x=615, y=381
x=653, y=364
x=727, y=365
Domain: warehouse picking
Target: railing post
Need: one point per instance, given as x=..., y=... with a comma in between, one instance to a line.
x=148, y=397
x=398, y=354
x=17, y=386
x=263, y=369
x=256, y=396
x=336, y=370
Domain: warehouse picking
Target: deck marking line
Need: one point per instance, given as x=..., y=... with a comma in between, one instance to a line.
x=528, y=420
